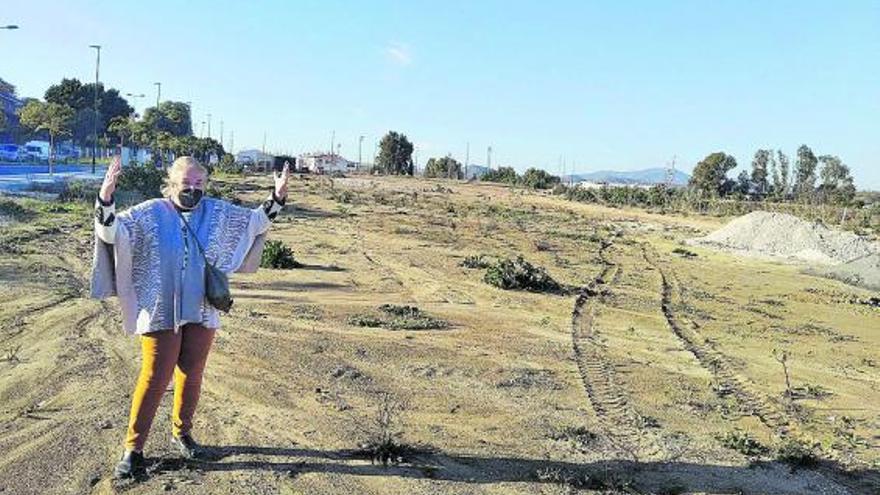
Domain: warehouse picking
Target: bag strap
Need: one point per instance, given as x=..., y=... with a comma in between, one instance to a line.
x=191, y=231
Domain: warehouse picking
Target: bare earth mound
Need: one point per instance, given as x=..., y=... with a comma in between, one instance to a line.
x=864, y=272
x=779, y=235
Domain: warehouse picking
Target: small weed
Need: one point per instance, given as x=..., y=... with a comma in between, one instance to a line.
x=684, y=253
x=542, y=245
x=798, y=453
x=579, y=436
x=307, y=312
x=14, y=210
x=810, y=391
x=11, y=355
x=476, y=261
x=384, y=444
x=344, y=197
x=742, y=442
x=277, y=255
x=224, y=192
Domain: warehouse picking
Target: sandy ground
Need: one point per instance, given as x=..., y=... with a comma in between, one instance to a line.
x=624, y=384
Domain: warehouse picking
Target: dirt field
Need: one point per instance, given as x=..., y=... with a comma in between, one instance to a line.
x=653, y=372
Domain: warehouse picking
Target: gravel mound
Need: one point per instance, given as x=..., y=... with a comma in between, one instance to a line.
x=779, y=235
x=864, y=272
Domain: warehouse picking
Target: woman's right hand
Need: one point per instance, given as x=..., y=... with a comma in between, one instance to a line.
x=108, y=187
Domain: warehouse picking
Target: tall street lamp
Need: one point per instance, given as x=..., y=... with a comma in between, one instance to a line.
x=133, y=96
x=95, y=122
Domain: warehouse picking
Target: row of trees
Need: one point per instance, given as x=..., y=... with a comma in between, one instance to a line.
x=532, y=178
x=68, y=111
x=772, y=177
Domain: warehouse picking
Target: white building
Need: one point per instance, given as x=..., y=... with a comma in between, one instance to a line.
x=324, y=163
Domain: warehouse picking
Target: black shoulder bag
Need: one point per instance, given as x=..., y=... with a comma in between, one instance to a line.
x=216, y=282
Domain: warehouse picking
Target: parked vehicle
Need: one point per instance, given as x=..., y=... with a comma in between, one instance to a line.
x=37, y=150
x=10, y=153
x=66, y=153
x=33, y=153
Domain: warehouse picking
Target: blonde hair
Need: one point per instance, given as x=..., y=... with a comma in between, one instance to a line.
x=176, y=172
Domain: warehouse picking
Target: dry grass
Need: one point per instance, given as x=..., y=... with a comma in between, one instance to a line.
x=498, y=394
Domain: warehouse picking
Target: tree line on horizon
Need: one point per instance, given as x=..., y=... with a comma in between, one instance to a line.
x=823, y=179
x=68, y=111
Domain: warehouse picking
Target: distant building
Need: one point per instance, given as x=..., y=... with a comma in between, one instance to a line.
x=9, y=105
x=324, y=163
x=599, y=185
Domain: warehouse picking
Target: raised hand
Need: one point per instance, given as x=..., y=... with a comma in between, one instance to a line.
x=108, y=187
x=281, y=181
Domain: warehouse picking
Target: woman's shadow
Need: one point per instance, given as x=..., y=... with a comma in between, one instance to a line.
x=766, y=477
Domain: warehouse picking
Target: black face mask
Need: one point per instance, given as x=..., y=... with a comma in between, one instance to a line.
x=189, y=198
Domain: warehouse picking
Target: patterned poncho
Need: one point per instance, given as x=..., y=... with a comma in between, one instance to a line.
x=156, y=269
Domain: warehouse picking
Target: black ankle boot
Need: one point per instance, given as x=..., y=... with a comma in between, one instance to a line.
x=132, y=464
x=187, y=446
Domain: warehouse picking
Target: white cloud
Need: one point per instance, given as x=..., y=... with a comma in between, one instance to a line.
x=399, y=54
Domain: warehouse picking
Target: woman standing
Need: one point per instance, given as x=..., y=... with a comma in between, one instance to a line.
x=153, y=257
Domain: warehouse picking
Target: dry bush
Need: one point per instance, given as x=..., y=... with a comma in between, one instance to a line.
x=397, y=317
x=384, y=432
x=519, y=274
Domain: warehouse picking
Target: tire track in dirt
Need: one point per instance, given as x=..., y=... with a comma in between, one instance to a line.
x=624, y=425
x=710, y=358
x=742, y=389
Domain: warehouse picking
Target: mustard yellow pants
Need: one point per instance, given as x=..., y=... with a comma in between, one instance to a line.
x=163, y=354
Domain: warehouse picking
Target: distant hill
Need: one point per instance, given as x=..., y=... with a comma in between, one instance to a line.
x=647, y=176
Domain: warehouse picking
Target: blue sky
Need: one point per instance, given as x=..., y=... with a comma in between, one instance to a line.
x=606, y=85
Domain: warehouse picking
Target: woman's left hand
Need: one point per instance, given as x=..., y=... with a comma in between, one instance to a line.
x=281, y=181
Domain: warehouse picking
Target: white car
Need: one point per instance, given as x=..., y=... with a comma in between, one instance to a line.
x=35, y=153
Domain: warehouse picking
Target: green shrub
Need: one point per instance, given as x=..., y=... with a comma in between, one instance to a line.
x=145, y=181
x=223, y=191
x=79, y=190
x=684, y=253
x=503, y=174
x=229, y=166
x=742, y=442
x=14, y=210
x=476, y=261
x=277, y=255
x=535, y=178
x=519, y=274
x=395, y=317
x=798, y=453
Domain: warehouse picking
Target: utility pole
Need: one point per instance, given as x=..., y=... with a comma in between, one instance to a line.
x=221, y=133
x=670, y=173
x=232, y=141
x=158, y=93
x=360, y=142
x=489, y=158
x=209, y=125
x=467, y=159
x=95, y=122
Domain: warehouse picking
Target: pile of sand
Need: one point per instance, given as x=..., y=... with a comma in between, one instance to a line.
x=864, y=272
x=779, y=235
